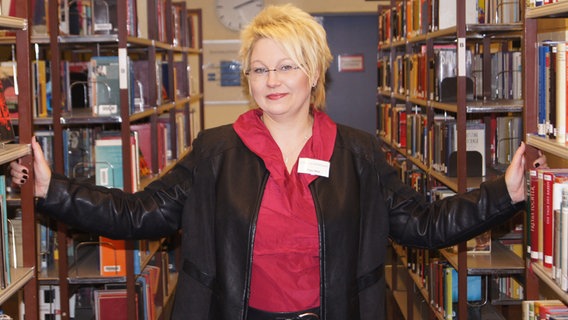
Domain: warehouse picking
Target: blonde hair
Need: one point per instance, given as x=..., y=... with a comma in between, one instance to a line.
x=300, y=36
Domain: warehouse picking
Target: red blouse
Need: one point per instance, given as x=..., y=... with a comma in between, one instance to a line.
x=285, y=270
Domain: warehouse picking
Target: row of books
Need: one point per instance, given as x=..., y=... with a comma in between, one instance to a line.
x=80, y=148
x=95, y=84
x=108, y=301
x=92, y=17
x=411, y=18
x=544, y=309
x=552, y=98
x=491, y=142
x=548, y=216
x=443, y=288
x=440, y=279
x=95, y=155
x=8, y=258
x=418, y=76
x=418, y=180
x=538, y=3
x=432, y=274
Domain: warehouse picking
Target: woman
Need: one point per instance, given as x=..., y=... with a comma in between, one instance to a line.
x=285, y=214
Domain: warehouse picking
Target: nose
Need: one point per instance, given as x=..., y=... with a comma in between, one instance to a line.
x=272, y=78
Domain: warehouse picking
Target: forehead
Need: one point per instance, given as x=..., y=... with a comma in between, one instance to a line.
x=267, y=50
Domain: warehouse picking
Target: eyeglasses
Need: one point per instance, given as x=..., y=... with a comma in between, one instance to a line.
x=258, y=73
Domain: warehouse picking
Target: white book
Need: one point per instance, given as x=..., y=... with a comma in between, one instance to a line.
x=448, y=10
x=564, y=247
x=561, y=92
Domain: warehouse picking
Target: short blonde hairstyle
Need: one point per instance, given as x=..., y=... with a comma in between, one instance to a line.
x=301, y=37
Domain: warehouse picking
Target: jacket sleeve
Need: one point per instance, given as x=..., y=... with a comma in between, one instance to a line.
x=414, y=221
x=152, y=213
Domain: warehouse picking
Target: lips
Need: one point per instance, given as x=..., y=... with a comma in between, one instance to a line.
x=276, y=96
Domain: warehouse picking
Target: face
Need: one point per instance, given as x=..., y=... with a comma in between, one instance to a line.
x=281, y=93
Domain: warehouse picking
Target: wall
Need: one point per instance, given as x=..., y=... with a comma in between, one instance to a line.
x=351, y=96
x=212, y=30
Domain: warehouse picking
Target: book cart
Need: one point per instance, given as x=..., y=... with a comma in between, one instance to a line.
x=412, y=93
x=145, y=50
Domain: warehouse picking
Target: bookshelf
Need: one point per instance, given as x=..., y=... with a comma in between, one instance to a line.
x=412, y=43
x=541, y=283
x=24, y=275
x=155, y=32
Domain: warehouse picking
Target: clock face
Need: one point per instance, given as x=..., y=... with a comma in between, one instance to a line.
x=235, y=14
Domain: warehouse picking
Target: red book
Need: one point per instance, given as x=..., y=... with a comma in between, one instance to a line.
x=547, y=310
x=111, y=304
x=552, y=197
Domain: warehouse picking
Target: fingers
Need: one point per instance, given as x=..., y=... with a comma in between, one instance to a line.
x=18, y=172
x=540, y=162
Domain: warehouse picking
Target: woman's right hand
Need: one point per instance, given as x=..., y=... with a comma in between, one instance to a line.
x=42, y=172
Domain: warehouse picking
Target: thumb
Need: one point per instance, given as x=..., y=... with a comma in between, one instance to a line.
x=518, y=158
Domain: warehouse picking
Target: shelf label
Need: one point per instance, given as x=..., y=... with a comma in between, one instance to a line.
x=123, y=68
x=461, y=57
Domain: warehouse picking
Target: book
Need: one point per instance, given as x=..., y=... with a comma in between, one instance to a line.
x=6, y=130
x=534, y=214
x=509, y=134
x=112, y=257
x=39, y=17
x=111, y=304
x=560, y=87
x=447, y=13
x=40, y=88
x=554, y=180
x=475, y=140
x=5, y=232
x=104, y=17
x=142, y=18
x=181, y=134
x=104, y=85
x=8, y=77
x=80, y=17
x=78, y=153
x=108, y=166
x=564, y=240
x=148, y=148
x=141, y=71
x=75, y=85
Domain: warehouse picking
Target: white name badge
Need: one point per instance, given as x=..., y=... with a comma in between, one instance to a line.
x=314, y=167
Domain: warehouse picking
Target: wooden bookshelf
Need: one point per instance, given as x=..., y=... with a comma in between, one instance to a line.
x=400, y=90
x=155, y=46
x=23, y=278
x=540, y=281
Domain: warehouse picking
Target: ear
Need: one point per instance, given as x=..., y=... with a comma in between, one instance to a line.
x=315, y=80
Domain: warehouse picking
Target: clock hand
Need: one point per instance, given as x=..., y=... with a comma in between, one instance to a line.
x=238, y=6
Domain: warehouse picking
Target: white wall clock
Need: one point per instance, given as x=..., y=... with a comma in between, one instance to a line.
x=235, y=14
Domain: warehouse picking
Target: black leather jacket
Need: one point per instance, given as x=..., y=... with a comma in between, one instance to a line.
x=214, y=195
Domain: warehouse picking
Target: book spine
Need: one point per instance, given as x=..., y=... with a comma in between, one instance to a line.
x=564, y=240
x=561, y=92
x=548, y=219
x=532, y=248
x=540, y=226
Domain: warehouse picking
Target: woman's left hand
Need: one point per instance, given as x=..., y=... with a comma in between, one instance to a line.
x=515, y=174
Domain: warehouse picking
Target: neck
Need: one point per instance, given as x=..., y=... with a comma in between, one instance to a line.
x=290, y=136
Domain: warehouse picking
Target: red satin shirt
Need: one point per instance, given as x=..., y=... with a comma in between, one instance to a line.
x=285, y=270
